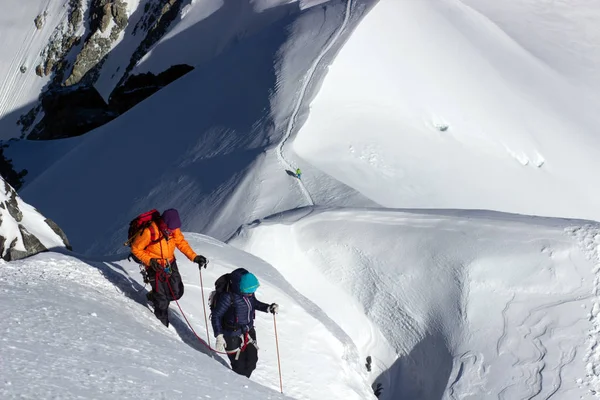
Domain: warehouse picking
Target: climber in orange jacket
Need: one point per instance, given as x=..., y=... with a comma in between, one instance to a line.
x=158, y=256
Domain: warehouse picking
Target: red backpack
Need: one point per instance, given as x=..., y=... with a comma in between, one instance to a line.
x=142, y=222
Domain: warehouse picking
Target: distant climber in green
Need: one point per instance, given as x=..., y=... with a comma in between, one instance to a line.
x=298, y=173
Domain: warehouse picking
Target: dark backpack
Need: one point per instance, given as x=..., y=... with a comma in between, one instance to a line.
x=139, y=224
x=223, y=285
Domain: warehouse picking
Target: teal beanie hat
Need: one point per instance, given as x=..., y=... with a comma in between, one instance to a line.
x=248, y=283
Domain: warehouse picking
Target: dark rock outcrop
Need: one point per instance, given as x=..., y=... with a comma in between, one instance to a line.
x=59, y=232
x=8, y=172
x=76, y=110
x=40, y=20
x=20, y=225
x=69, y=104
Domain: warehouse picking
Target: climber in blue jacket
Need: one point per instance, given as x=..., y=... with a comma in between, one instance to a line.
x=232, y=320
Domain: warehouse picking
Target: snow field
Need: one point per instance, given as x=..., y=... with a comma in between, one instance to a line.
x=96, y=339
x=312, y=359
x=518, y=131
x=70, y=334
x=21, y=44
x=301, y=96
x=454, y=305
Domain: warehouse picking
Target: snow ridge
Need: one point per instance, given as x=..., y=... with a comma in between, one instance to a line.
x=308, y=79
x=589, y=240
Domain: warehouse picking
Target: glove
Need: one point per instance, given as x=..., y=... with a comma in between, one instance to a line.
x=155, y=265
x=273, y=308
x=201, y=261
x=220, y=344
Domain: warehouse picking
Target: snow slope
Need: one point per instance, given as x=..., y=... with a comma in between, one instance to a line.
x=563, y=34
x=520, y=136
x=21, y=44
x=449, y=304
x=475, y=305
x=200, y=32
x=206, y=144
x=77, y=327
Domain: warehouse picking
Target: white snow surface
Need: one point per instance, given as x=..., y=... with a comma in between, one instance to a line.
x=476, y=305
x=449, y=305
x=191, y=37
x=66, y=317
x=21, y=44
x=520, y=136
x=564, y=34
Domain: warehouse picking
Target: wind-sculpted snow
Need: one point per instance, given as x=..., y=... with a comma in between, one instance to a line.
x=448, y=304
x=589, y=238
x=211, y=137
x=429, y=104
x=80, y=327
x=68, y=333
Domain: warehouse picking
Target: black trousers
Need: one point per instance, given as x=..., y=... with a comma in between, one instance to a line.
x=246, y=362
x=161, y=293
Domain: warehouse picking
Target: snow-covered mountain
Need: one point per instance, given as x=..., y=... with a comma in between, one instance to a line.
x=23, y=230
x=445, y=304
x=403, y=116
x=70, y=66
x=207, y=144
x=455, y=113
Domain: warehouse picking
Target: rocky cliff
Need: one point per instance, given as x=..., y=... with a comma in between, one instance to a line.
x=69, y=105
x=23, y=230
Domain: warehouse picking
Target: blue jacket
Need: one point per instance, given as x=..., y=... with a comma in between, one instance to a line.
x=234, y=312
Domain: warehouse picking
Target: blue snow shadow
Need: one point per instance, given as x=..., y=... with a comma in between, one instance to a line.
x=188, y=147
x=133, y=290
x=423, y=374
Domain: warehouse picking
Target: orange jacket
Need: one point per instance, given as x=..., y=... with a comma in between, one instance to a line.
x=163, y=249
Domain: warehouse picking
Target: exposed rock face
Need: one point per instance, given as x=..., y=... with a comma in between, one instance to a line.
x=69, y=105
x=103, y=14
x=71, y=112
x=63, y=39
x=24, y=229
x=40, y=20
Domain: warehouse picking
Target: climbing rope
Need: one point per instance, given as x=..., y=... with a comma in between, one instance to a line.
x=207, y=345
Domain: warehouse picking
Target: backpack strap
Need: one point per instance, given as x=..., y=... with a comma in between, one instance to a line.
x=154, y=237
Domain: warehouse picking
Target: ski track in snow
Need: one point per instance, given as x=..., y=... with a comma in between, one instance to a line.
x=589, y=239
x=7, y=86
x=307, y=81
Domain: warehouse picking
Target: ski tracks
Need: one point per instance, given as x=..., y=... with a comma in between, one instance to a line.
x=305, y=85
x=588, y=237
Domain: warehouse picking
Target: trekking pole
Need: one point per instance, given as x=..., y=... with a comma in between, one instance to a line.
x=204, y=307
x=278, y=360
